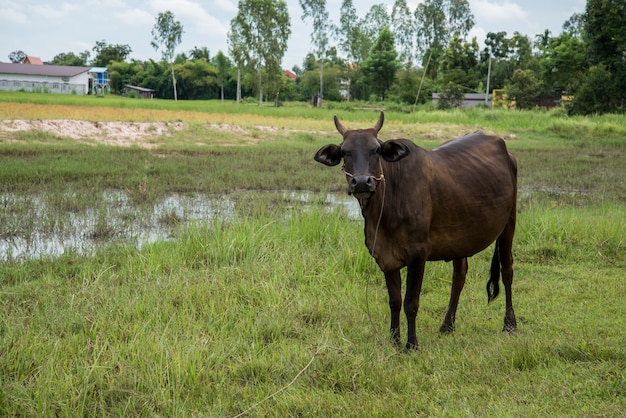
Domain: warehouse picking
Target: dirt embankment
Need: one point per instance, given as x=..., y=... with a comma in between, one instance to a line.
x=111, y=133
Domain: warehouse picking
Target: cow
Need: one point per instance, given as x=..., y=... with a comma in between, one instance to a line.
x=418, y=205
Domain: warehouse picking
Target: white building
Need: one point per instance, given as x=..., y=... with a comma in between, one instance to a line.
x=52, y=78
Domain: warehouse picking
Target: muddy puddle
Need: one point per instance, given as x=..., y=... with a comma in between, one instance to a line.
x=35, y=226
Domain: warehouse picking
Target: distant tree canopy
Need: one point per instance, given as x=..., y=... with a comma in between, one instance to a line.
x=106, y=54
x=69, y=58
x=372, y=57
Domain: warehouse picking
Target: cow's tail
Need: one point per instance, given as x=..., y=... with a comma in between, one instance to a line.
x=493, y=285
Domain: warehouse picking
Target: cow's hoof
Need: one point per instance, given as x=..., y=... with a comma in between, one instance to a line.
x=411, y=346
x=446, y=328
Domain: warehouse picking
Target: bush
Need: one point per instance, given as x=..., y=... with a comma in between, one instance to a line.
x=451, y=96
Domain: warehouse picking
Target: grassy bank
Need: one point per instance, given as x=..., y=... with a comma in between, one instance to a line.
x=227, y=314
x=280, y=308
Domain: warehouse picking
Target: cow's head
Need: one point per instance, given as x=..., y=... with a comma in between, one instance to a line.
x=361, y=151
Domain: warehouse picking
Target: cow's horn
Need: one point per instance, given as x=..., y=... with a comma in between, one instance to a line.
x=342, y=129
x=379, y=124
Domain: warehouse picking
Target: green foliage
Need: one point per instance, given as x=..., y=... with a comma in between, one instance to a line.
x=166, y=34
x=524, y=89
x=438, y=21
x=564, y=63
x=598, y=93
x=381, y=65
x=451, y=96
x=109, y=53
x=258, y=38
x=71, y=59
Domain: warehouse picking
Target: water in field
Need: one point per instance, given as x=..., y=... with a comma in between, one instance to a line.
x=37, y=225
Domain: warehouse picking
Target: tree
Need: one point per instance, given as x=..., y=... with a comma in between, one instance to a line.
x=197, y=80
x=459, y=64
x=17, y=56
x=106, y=54
x=352, y=40
x=316, y=11
x=596, y=93
x=167, y=33
x=606, y=39
x=524, y=88
x=381, y=65
x=437, y=21
x=71, y=59
x=222, y=65
x=258, y=37
x=198, y=53
x=564, y=63
x=403, y=27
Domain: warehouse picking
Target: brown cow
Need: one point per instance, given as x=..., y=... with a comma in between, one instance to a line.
x=446, y=204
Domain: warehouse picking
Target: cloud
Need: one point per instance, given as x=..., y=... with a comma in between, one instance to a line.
x=11, y=12
x=136, y=17
x=488, y=11
x=192, y=13
x=55, y=12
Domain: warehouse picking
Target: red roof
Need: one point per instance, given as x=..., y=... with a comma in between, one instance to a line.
x=49, y=70
x=290, y=74
x=32, y=60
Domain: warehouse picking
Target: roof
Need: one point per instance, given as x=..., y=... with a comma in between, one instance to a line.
x=290, y=74
x=29, y=59
x=98, y=70
x=49, y=70
x=144, y=89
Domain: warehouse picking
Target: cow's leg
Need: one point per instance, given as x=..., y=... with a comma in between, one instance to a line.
x=505, y=245
x=458, y=281
x=414, y=277
x=394, y=284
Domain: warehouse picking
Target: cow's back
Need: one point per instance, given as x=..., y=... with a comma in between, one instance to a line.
x=454, y=200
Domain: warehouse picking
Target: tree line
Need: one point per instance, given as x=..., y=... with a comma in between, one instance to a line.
x=400, y=57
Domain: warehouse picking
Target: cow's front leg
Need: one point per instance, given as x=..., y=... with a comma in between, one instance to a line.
x=414, y=277
x=394, y=283
x=458, y=281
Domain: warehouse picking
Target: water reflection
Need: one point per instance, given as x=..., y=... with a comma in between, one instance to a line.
x=33, y=226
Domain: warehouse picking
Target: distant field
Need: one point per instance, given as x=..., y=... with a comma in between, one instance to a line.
x=279, y=310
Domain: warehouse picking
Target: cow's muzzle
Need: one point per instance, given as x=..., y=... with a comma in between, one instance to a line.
x=361, y=187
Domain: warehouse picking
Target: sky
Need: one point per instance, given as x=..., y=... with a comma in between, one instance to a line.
x=47, y=28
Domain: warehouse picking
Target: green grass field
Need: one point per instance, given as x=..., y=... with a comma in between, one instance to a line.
x=280, y=311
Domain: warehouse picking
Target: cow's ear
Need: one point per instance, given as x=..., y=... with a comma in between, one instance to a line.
x=329, y=155
x=393, y=151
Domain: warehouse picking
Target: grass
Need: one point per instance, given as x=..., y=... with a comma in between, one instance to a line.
x=285, y=301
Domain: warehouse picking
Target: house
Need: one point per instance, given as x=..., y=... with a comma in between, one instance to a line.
x=142, y=92
x=52, y=78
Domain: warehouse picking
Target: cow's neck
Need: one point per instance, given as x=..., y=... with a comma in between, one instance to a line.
x=372, y=210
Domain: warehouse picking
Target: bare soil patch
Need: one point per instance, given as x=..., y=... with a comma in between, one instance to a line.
x=110, y=133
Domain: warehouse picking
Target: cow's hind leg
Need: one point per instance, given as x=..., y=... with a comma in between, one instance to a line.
x=505, y=246
x=458, y=281
x=394, y=284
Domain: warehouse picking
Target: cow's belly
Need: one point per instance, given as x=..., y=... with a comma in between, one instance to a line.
x=466, y=237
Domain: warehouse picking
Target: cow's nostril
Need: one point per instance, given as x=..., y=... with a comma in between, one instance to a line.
x=353, y=181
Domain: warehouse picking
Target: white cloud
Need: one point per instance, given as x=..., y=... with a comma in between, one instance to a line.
x=193, y=17
x=136, y=17
x=227, y=6
x=488, y=11
x=11, y=12
x=55, y=12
